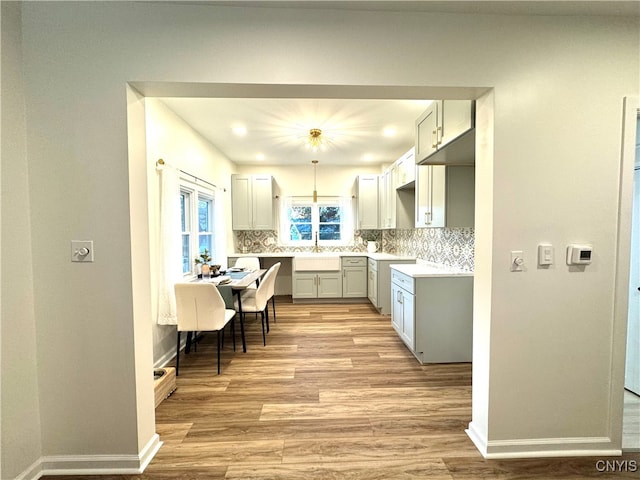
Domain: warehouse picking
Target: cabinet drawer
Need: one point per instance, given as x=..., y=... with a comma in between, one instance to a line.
x=354, y=261
x=405, y=281
x=373, y=264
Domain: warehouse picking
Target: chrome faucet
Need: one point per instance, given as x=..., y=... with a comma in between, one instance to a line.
x=315, y=247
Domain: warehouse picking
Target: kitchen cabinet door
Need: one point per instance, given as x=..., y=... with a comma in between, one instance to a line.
x=406, y=168
x=372, y=286
x=262, y=202
x=430, y=196
x=427, y=133
x=241, y=202
x=442, y=123
x=354, y=282
x=252, y=202
x=456, y=119
x=305, y=285
x=408, y=320
x=329, y=285
x=367, y=197
x=397, y=311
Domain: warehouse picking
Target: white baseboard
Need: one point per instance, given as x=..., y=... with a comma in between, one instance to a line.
x=93, y=464
x=542, y=447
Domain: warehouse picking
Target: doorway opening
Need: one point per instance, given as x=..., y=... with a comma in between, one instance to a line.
x=631, y=414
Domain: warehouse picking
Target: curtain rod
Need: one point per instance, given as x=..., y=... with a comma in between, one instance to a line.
x=162, y=162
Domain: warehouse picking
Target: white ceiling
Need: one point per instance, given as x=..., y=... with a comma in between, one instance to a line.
x=277, y=128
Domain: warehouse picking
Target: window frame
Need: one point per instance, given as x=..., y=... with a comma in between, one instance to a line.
x=315, y=221
x=195, y=193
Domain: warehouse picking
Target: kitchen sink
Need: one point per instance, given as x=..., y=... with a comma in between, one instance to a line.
x=304, y=262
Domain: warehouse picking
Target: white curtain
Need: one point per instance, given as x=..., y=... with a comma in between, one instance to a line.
x=169, y=244
x=220, y=227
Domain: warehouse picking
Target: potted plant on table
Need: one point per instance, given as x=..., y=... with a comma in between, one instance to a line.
x=202, y=263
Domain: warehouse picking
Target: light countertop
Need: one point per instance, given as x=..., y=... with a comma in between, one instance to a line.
x=374, y=256
x=423, y=268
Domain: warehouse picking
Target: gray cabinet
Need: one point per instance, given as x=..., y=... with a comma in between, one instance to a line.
x=446, y=123
x=317, y=285
x=354, y=277
x=252, y=202
x=444, y=196
x=434, y=316
x=379, y=283
x=367, y=202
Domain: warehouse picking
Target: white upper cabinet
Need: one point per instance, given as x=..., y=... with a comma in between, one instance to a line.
x=430, y=196
x=445, y=196
x=443, y=124
x=406, y=168
x=367, y=202
x=252, y=202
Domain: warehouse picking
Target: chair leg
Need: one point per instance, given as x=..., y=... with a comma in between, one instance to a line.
x=218, y=352
x=273, y=304
x=178, y=355
x=266, y=316
x=233, y=332
x=244, y=342
x=264, y=338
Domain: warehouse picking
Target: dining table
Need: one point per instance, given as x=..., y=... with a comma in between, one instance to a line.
x=233, y=282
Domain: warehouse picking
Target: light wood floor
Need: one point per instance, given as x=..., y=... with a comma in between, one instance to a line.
x=333, y=395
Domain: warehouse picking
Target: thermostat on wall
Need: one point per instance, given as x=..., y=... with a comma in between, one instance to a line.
x=579, y=254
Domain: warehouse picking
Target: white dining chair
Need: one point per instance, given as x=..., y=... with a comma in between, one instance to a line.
x=271, y=290
x=254, y=300
x=200, y=308
x=249, y=263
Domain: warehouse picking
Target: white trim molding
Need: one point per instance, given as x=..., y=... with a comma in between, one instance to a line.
x=93, y=464
x=543, y=447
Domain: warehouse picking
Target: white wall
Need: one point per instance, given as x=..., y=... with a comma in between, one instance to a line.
x=19, y=411
x=555, y=171
x=170, y=138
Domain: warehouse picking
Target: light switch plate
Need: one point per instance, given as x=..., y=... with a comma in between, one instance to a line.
x=517, y=261
x=545, y=254
x=82, y=250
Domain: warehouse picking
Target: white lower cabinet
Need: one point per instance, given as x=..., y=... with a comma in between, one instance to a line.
x=317, y=285
x=433, y=316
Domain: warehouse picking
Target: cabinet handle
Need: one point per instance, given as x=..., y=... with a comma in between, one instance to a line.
x=427, y=218
x=399, y=295
x=434, y=139
x=439, y=136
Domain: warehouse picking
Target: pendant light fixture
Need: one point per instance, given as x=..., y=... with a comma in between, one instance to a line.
x=315, y=192
x=315, y=140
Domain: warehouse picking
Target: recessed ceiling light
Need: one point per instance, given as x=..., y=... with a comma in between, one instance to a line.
x=389, y=131
x=367, y=157
x=239, y=130
x=260, y=156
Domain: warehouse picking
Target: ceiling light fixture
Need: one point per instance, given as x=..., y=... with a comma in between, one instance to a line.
x=240, y=130
x=315, y=140
x=315, y=192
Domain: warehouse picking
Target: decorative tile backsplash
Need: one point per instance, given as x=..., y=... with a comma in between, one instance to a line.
x=450, y=246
